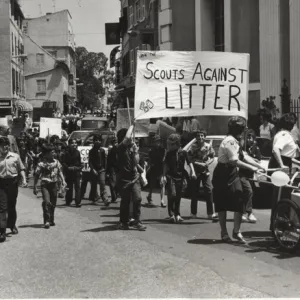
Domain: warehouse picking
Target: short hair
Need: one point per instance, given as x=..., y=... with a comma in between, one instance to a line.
x=286, y=122
x=174, y=138
x=236, y=125
x=46, y=148
x=202, y=130
x=294, y=116
x=97, y=137
x=70, y=141
x=4, y=141
x=53, y=138
x=252, y=133
x=121, y=135
x=266, y=116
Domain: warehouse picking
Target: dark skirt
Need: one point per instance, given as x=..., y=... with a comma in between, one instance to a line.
x=227, y=192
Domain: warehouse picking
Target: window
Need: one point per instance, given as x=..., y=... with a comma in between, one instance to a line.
x=53, y=53
x=142, y=10
x=17, y=83
x=16, y=46
x=12, y=44
x=40, y=58
x=131, y=59
x=219, y=26
x=135, y=58
x=130, y=16
x=41, y=86
x=13, y=81
x=136, y=12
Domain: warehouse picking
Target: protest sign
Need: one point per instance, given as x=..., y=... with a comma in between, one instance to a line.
x=181, y=84
x=141, y=126
x=50, y=126
x=84, y=154
x=3, y=122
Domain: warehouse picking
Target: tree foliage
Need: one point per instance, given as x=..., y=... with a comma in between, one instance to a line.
x=89, y=67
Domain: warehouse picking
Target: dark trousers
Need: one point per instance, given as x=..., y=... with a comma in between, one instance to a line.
x=153, y=178
x=49, y=193
x=247, y=193
x=174, y=192
x=8, y=201
x=73, y=182
x=86, y=178
x=112, y=185
x=195, y=185
x=132, y=193
x=98, y=179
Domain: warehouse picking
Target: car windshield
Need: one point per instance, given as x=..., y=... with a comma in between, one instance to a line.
x=79, y=135
x=92, y=123
x=106, y=140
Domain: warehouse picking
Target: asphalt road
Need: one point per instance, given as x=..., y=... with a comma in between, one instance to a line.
x=83, y=256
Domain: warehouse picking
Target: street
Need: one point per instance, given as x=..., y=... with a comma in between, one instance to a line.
x=83, y=256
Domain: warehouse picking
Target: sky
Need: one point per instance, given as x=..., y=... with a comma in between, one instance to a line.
x=88, y=18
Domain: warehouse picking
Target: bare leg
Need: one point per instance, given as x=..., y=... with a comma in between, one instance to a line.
x=222, y=221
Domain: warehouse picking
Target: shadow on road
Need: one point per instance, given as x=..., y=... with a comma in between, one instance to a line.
x=105, y=228
x=205, y=242
x=37, y=226
x=110, y=216
x=109, y=208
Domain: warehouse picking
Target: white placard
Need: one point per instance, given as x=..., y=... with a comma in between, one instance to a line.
x=3, y=122
x=50, y=126
x=141, y=126
x=84, y=154
x=181, y=84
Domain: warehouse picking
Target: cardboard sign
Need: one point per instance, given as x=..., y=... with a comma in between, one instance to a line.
x=141, y=126
x=3, y=122
x=50, y=126
x=181, y=84
x=84, y=154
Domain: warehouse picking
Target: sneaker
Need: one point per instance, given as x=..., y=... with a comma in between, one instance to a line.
x=106, y=203
x=215, y=218
x=14, y=230
x=193, y=216
x=131, y=221
x=52, y=224
x=122, y=226
x=78, y=205
x=47, y=225
x=252, y=219
x=172, y=219
x=2, y=237
x=179, y=219
x=238, y=236
x=244, y=218
x=139, y=226
x=226, y=238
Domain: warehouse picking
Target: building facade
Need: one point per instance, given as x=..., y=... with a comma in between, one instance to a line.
x=12, y=87
x=51, y=67
x=139, y=31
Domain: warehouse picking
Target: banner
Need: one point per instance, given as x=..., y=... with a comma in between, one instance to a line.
x=181, y=84
x=84, y=154
x=50, y=126
x=141, y=126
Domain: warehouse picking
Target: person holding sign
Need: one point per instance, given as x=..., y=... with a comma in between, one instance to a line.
x=72, y=164
x=128, y=180
x=174, y=175
x=228, y=192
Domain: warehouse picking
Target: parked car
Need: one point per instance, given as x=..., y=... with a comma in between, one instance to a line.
x=93, y=123
x=79, y=135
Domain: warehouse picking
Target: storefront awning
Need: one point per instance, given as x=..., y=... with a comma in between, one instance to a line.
x=22, y=105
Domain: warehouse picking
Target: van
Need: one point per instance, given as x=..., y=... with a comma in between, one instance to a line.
x=92, y=123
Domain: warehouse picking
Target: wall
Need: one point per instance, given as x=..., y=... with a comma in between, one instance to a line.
x=183, y=25
x=50, y=30
x=5, y=65
x=55, y=88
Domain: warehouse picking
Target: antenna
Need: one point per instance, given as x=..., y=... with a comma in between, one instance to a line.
x=54, y=5
x=40, y=7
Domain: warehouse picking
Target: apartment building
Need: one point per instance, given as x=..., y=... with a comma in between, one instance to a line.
x=51, y=65
x=12, y=87
x=139, y=31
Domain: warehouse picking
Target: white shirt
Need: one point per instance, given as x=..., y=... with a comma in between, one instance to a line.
x=284, y=141
x=295, y=133
x=228, y=150
x=265, y=132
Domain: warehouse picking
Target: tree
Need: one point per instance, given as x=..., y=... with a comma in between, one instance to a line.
x=89, y=67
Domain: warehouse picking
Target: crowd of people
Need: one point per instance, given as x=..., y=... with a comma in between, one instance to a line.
x=58, y=167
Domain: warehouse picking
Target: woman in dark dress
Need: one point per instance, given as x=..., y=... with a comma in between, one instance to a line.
x=228, y=193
